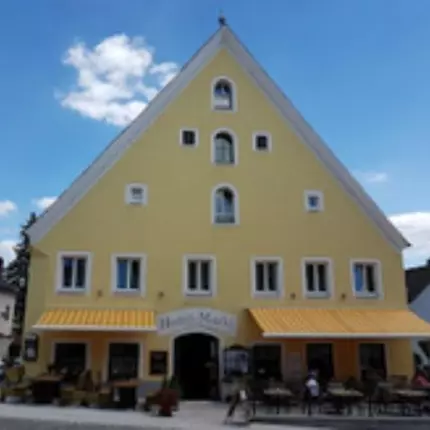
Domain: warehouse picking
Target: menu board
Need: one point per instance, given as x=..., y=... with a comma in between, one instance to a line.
x=158, y=362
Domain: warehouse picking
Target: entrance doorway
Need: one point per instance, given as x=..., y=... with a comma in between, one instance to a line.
x=320, y=358
x=196, y=366
x=123, y=361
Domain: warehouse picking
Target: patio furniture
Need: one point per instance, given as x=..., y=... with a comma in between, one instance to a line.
x=277, y=397
x=46, y=388
x=344, y=398
x=14, y=384
x=125, y=393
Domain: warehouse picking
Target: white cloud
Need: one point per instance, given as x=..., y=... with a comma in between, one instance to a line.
x=7, y=207
x=115, y=79
x=6, y=250
x=372, y=177
x=415, y=226
x=44, y=202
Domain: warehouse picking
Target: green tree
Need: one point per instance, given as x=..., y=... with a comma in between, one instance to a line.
x=17, y=273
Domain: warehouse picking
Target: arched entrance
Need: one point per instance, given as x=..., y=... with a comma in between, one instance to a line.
x=196, y=365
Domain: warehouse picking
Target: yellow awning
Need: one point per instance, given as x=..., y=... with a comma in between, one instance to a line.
x=339, y=323
x=97, y=320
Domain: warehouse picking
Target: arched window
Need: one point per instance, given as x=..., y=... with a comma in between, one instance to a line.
x=224, y=151
x=225, y=206
x=223, y=95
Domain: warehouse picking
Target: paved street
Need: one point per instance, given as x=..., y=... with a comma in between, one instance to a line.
x=192, y=416
x=198, y=416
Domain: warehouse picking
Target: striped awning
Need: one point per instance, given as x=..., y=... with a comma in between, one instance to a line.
x=97, y=320
x=339, y=323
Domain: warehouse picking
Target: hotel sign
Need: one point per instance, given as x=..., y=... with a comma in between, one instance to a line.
x=195, y=320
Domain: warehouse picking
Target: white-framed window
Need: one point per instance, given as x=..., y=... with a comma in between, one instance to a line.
x=225, y=204
x=224, y=148
x=314, y=201
x=136, y=194
x=317, y=277
x=128, y=273
x=267, y=276
x=189, y=137
x=73, y=271
x=199, y=275
x=262, y=141
x=366, y=278
x=223, y=94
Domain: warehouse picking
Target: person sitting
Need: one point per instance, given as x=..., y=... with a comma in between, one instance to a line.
x=420, y=379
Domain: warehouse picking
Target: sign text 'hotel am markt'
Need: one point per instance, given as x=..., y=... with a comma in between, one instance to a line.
x=195, y=319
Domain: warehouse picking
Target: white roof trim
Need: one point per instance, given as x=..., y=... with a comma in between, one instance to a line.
x=223, y=38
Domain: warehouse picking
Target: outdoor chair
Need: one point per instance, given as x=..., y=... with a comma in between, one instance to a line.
x=14, y=384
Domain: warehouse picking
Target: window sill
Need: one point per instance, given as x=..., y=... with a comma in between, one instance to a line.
x=225, y=224
x=61, y=290
x=317, y=295
x=127, y=292
x=367, y=295
x=198, y=294
x=266, y=295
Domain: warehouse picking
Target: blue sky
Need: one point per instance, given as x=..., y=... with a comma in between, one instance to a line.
x=73, y=73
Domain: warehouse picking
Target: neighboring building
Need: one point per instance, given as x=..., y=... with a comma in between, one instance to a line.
x=418, y=285
x=218, y=217
x=7, y=305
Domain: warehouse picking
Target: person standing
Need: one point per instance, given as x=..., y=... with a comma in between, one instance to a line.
x=312, y=391
x=239, y=397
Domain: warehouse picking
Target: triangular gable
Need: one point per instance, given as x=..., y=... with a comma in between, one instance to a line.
x=223, y=38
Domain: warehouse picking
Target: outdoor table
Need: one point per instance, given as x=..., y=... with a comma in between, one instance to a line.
x=342, y=397
x=278, y=394
x=46, y=388
x=408, y=396
x=125, y=393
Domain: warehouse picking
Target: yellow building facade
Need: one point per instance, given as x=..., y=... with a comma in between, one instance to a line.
x=218, y=217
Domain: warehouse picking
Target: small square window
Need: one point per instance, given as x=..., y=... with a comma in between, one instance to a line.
x=136, y=194
x=314, y=201
x=262, y=142
x=189, y=137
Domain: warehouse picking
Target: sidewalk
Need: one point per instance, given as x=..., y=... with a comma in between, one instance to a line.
x=193, y=416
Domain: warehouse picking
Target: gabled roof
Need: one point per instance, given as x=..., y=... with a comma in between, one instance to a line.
x=417, y=280
x=223, y=38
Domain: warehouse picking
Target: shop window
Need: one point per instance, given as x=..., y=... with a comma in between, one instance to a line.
x=372, y=360
x=236, y=361
x=319, y=358
x=71, y=357
x=123, y=361
x=266, y=361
